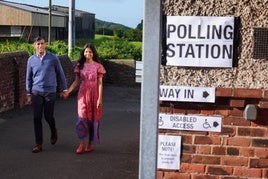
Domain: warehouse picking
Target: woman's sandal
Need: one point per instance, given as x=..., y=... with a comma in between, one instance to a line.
x=88, y=149
x=80, y=150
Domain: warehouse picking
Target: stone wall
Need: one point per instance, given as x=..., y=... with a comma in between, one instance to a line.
x=249, y=73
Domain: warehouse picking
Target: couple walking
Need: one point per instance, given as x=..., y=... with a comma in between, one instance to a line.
x=43, y=70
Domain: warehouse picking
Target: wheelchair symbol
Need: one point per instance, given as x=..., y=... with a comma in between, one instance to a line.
x=206, y=125
x=160, y=122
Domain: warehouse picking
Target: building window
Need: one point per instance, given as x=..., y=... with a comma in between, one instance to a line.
x=5, y=31
x=15, y=31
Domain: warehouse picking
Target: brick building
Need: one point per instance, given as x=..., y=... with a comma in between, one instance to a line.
x=240, y=149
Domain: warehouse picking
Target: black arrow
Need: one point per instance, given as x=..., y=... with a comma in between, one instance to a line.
x=215, y=124
x=205, y=94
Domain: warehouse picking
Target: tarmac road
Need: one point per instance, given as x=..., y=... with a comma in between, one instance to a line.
x=117, y=157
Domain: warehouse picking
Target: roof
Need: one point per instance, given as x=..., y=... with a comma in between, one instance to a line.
x=30, y=8
x=65, y=10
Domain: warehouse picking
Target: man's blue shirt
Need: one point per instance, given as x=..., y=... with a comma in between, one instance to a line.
x=42, y=74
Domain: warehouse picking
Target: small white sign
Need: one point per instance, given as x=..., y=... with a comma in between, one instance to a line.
x=200, y=41
x=190, y=122
x=187, y=94
x=169, y=152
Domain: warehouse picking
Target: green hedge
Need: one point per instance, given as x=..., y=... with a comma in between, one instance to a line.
x=108, y=48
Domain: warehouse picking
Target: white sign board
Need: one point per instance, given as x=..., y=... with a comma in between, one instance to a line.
x=190, y=122
x=200, y=41
x=187, y=94
x=169, y=152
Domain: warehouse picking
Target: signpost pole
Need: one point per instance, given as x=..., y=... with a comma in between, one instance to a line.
x=150, y=89
x=71, y=30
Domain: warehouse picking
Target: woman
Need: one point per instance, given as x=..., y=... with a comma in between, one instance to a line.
x=89, y=75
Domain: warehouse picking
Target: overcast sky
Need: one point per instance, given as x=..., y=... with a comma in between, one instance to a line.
x=126, y=12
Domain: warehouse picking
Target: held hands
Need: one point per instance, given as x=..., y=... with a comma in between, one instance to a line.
x=29, y=99
x=64, y=95
x=99, y=103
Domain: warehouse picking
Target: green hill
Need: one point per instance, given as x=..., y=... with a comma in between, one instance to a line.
x=109, y=25
x=118, y=30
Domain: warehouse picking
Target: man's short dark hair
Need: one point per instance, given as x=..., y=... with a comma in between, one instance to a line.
x=36, y=39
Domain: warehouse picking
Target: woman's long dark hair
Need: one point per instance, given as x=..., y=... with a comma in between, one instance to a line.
x=82, y=58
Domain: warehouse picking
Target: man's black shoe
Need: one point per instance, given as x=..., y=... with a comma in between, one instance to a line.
x=37, y=148
x=54, y=137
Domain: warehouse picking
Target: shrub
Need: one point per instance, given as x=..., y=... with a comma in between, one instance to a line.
x=118, y=49
x=108, y=47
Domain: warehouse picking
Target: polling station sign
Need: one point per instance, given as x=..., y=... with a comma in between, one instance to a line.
x=200, y=41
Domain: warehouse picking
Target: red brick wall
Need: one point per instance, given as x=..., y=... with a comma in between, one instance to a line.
x=120, y=72
x=20, y=65
x=13, y=70
x=12, y=78
x=7, y=82
x=68, y=67
x=240, y=150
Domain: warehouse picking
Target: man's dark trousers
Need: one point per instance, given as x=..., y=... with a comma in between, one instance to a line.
x=43, y=102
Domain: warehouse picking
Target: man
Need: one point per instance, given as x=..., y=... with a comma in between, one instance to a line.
x=43, y=69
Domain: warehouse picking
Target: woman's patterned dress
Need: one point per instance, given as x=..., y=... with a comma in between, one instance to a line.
x=89, y=115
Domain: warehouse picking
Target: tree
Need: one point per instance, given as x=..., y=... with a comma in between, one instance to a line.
x=133, y=35
x=140, y=25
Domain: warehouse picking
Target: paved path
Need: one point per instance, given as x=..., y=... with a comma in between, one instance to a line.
x=117, y=157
